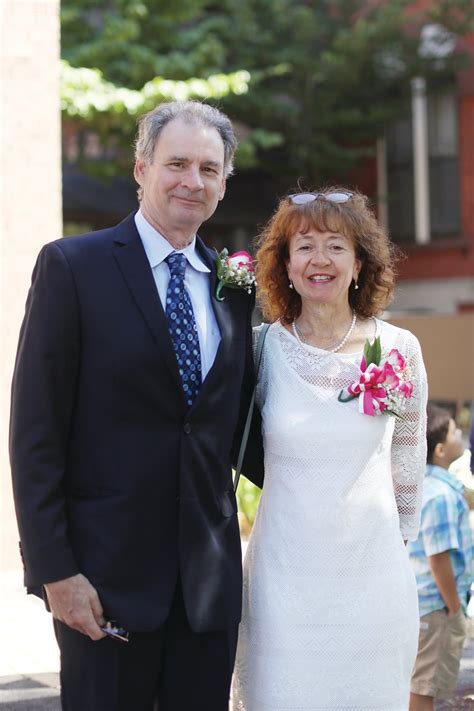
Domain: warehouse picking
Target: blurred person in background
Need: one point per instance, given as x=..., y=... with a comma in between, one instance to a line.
x=442, y=558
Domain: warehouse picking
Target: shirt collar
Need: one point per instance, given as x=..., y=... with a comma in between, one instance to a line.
x=444, y=475
x=157, y=247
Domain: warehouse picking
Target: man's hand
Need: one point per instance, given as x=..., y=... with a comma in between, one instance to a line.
x=74, y=601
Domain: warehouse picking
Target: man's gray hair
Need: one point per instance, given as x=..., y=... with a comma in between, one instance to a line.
x=192, y=112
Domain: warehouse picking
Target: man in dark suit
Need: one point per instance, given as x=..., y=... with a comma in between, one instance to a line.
x=126, y=396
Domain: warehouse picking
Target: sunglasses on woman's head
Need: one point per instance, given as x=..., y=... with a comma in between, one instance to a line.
x=303, y=198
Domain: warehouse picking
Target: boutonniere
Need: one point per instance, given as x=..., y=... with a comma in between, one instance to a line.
x=235, y=271
x=384, y=384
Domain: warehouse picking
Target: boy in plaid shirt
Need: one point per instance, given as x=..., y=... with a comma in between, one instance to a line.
x=442, y=560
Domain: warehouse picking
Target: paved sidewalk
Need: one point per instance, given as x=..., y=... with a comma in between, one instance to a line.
x=463, y=697
x=29, y=660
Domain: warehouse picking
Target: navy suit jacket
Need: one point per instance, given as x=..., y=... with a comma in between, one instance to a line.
x=113, y=476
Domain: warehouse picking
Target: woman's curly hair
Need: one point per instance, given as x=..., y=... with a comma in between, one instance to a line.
x=355, y=220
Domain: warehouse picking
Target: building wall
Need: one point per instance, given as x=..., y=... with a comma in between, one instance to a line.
x=30, y=190
x=439, y=276
x=447, y=343
x=453, y=257
x=441, y=296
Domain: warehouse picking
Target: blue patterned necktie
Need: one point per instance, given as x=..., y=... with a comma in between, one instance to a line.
x=182, y=327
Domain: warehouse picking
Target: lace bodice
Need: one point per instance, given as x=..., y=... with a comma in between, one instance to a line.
x=326, y=374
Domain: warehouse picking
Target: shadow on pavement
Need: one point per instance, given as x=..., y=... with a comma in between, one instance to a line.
x=38, y=692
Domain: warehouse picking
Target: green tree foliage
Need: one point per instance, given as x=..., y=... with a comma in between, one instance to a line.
x=248, y=497
x=132, y=41
x=346, y=67
x=324, y=76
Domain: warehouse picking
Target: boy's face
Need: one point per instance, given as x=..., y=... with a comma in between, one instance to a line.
x=452, y=448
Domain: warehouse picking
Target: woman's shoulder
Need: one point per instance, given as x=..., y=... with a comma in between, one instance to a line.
x=397, y=334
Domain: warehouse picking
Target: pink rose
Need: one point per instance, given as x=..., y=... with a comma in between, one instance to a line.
x=390, y=378
x=407, y=389
x=237, y=260
x=396, y=359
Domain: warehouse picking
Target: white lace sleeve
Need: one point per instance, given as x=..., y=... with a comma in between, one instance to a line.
x=409, y=443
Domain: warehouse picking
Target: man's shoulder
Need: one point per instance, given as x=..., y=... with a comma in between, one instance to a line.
x=93, y=241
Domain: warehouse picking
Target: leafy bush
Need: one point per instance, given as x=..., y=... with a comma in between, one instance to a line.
x=248, y=496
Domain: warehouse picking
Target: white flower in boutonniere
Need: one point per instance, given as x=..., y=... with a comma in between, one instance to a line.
x=235, y=271
x=384, y=384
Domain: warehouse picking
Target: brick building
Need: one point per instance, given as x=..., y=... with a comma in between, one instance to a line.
x=424, y=180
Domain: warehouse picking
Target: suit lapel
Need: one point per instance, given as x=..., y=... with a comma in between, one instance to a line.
x=133, y=263
x=224, y=319
x=221, y=308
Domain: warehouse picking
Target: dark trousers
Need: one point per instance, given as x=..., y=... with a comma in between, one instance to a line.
x=173, y=669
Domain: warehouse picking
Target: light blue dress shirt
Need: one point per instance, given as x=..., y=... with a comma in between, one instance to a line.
x=196, y=280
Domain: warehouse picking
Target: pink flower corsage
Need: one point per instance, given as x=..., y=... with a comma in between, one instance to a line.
x=384, y=384
x=235, y=271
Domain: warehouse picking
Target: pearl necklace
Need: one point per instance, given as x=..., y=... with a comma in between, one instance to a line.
x=300, y=338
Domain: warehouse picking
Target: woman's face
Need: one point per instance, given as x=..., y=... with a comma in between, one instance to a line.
x=322, y=266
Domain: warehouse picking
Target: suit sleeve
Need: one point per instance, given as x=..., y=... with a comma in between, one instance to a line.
x=43, y=395
x=252, y=466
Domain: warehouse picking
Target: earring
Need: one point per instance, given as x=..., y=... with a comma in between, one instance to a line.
x=356, y=285
x=290, y=284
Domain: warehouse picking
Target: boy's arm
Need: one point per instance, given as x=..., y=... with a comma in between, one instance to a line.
x=443, y=574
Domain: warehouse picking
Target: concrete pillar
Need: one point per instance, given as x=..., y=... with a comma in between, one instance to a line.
x=30, y=190
x=421, y=161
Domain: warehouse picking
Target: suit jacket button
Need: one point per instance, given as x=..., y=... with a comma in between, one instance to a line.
x=187, y=428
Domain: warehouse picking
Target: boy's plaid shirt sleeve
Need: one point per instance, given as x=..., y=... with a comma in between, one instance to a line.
x=439, y=525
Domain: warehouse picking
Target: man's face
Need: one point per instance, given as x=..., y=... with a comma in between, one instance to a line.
x=185, y=181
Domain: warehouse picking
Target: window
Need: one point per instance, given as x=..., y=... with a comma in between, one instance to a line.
x=400, y=184
x=443, y=162
x=443, y=171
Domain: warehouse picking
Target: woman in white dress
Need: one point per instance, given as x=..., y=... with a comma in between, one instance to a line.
x=330, y=611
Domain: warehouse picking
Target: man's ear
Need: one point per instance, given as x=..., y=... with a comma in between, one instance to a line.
x=139, y=171
x=222, y=190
